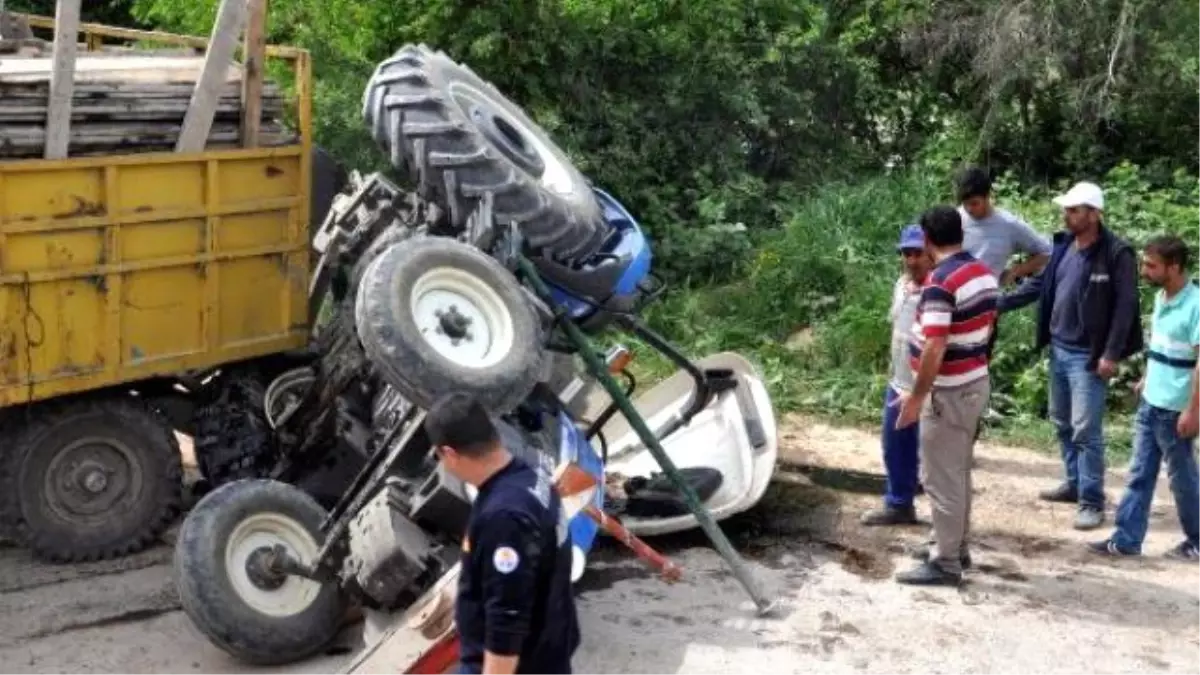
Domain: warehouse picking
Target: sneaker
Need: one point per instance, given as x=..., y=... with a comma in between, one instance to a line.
x=1063, y=493
x=1184, y=552
x=929, y=574
x=890, y=515
x=1108, y=547
x=922, y=554
x=1089, y=518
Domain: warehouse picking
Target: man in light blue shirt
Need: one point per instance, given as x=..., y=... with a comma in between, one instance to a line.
x=1167, y=416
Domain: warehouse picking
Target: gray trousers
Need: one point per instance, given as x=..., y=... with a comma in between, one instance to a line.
x=949, y=419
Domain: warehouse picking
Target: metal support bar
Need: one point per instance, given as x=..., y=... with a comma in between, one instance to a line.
x=597, y=370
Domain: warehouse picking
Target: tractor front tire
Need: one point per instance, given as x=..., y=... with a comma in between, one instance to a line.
x=232, y=596
x=89, y=479
x=438, y=316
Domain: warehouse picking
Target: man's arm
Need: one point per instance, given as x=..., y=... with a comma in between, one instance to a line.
x=1026, y=293
x=1125, y=306
x=510, y=549
x=931, y=362
x=1027, y=240
x=1032, y=265
x=937, y=307
x=1188, y=424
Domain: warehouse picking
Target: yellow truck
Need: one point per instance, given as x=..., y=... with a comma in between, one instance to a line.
x=128, y=283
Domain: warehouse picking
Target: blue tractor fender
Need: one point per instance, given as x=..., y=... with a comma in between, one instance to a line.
x=612, y=279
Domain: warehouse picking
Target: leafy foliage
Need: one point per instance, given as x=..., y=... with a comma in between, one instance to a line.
x=772, y=148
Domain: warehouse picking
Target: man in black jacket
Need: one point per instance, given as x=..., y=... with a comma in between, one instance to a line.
x=1088, y=315
x=515, y=611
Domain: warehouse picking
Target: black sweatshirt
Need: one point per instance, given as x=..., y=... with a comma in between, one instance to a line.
x=514, y=590
x=1108, y=302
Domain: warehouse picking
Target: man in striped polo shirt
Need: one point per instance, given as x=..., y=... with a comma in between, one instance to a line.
x=949, y=353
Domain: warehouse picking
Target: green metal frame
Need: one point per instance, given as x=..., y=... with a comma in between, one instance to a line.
x=597, y=369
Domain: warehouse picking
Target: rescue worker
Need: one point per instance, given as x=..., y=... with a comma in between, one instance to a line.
x=515, y=611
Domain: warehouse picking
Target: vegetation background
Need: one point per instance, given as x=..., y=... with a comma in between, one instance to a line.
x=773, y=148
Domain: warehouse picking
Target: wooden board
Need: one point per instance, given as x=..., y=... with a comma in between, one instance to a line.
x=128, y=102
x=62, y=78
x=113, y=67
x=26, y=141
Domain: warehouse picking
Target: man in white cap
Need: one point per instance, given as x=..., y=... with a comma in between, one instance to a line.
x=1090, y=318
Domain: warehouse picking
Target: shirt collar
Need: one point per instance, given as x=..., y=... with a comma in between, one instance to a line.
x=1188, y=289
x=491, y=480
x=961, y=255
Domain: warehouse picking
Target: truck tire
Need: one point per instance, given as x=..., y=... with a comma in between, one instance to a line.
x=250, y=613
x=90, y=479
x=233, y=439
x=460, y=140
x=437, y=316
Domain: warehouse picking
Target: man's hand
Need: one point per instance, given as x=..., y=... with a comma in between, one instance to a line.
x=1188, y=425
x=1007, y=277
x=1106, y=369
x=501, y=665
x=1139, y=385
x=910, y=410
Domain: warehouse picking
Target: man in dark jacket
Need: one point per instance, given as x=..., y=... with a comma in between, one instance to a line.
x=515, y=611
x=1088, y=315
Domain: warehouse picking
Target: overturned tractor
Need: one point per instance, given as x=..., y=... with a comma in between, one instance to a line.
x=483, y=278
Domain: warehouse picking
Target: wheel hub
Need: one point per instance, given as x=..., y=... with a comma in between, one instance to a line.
x=88, y=478
x=261, y=569
x=507, y=138
x=453, y=324
x=511, y=138
x=255, y=555
x=461, y=317
x=92, y=478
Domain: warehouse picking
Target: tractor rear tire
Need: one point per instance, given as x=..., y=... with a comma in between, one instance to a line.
x=90, y=479
x=461, y=141
x=251, y=613
x=438, y=316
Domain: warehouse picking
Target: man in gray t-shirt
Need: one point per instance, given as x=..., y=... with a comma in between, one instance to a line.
x=993, y=235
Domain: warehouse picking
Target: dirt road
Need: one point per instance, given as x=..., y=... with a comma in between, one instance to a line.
x=1035, y=602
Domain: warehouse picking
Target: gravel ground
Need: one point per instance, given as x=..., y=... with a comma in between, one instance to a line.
x=1035, y=602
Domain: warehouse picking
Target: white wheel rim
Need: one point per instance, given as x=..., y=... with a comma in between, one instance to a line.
x=449, y=292
x=260, y=530
x=555, y=175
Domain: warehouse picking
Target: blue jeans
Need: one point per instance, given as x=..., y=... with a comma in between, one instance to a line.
x=899, y=454
x=1077, y=411
x=1155, y=440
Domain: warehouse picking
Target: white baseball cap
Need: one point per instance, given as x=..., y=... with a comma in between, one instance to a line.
x=1082, y=194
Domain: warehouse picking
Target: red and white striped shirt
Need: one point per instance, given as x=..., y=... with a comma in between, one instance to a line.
x=958, y=302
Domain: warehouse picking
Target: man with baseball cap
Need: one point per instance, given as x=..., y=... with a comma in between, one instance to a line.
x=900, y=445
x=1089, y=316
